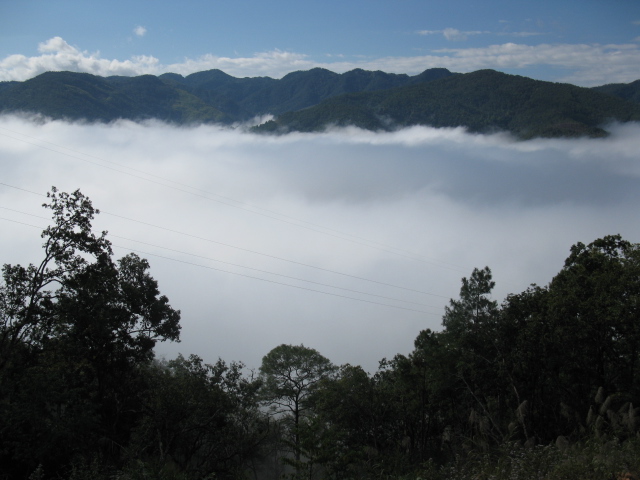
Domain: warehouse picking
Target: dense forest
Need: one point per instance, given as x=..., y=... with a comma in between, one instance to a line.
x=484, y=101
x=544, y=385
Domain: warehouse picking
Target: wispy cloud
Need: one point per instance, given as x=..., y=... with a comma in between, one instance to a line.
x=520, y=34
x=582, y=64
x=140, y=31
x=453, y=34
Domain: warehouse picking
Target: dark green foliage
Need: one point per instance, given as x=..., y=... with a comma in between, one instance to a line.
x=586, y=460
x=80, y=396
x=482, y=101
x=7, y=85
x=247, y=97
x=73, y=331
x=553, y=366
x=81, y=96
x=544, y=385
x=210, y=96
x=201, y=420
x=626, y=91
x=290, y=375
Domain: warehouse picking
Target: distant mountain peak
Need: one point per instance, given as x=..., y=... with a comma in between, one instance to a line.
x=482, y=101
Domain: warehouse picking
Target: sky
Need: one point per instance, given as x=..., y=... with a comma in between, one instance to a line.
x=347, y=241
x=585, y=42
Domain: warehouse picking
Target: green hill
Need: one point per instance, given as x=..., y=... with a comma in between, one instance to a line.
x=248, y=97
x=626, y=91
x=481, y=101
x=81, y=96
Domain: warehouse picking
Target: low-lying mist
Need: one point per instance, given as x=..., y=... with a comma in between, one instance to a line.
x=400, y=217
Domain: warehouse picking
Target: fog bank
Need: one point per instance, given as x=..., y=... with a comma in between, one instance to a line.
x=393, y=219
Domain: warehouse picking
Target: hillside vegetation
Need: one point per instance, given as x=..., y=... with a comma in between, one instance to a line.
x=482, y=101
x=545, y=385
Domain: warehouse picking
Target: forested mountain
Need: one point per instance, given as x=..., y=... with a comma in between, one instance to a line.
x=257, y=96
x=482, y=101
x=81, y=96
x=211, y=96
x=545, y=385
x=627, y=91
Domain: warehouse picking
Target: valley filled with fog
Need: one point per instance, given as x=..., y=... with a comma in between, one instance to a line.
x=349, y=241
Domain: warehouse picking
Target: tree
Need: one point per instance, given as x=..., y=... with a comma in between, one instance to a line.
x=576, y=337
x=26, y=301
x=74, y=330
x=290, y=374
x=474, y=307
x=593, y=306
x=200, y=419
x=485, y=386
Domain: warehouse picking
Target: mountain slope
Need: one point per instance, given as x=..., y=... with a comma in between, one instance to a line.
x=626, y=91
x=482, y=101
x=248, y=97
x=81, y=96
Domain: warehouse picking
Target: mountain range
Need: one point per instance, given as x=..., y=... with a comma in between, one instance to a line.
x=313, y=100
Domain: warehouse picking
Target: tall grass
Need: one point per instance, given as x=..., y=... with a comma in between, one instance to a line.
x=593, y=459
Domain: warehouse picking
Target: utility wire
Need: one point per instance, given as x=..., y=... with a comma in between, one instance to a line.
x=276, y=257
x=249, y=276
x=241, y=205
x=238, y=265
x=278, y=283
x=276, y=274
x=247, y=250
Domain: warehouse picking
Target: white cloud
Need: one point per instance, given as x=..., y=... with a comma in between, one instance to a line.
x=456, y=200
x=140, y=31
x=58, y=55
x=582, y=64
x=521, y=34
x=588, y=65
x=275, y=63
x=57, y=45
x=454, y=34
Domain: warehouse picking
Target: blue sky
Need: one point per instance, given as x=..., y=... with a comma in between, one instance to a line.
x=586, y=42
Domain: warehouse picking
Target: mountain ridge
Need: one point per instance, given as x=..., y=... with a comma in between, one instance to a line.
x=482, y=101
x=313, y=100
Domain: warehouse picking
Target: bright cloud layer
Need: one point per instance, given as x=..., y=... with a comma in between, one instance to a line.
x=416, y=208
x=584, y=64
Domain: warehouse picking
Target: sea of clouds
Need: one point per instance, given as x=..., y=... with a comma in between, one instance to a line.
x=348, y=241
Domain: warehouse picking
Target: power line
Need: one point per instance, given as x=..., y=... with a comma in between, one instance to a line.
x=251, y=276
x=278, y=283
x=251, y=251
x=237, y=265
x=276, y=274
x=276, y=257
x=241, y=205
